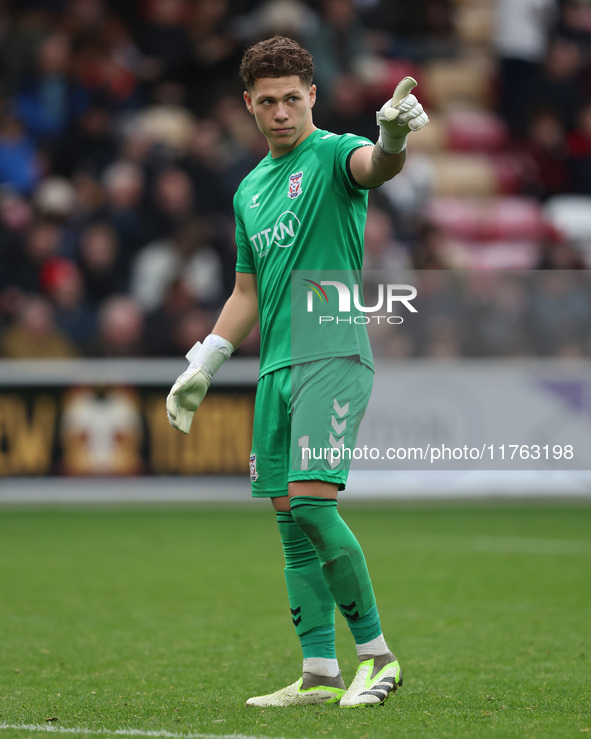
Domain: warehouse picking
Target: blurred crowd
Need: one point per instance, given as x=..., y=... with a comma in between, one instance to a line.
x=123, y=137
x=512, y=314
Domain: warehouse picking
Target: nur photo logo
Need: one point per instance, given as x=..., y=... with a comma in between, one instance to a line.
x=348, y=301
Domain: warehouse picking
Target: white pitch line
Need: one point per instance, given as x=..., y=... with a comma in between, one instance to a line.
x=54, y=729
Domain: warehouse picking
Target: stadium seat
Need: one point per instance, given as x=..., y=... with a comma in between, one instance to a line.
x=495, y=255
x=508, y=172
x=390, y=74
x=458, y=174
x=431, y=138
x=515, y=218
x=504, y=255
x=476, y=131
x=495, y=219
x=474, y=21
x=571, y=215
x=458, y=217
x=465, y=82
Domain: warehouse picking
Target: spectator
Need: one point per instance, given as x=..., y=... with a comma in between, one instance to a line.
x=23, y=33
x=122, y=123
x=62, y=282
x=557, y=82
x=41, y=243
x=192, y=322
x=559, y=253
x=173, y=323
x=339, y=46
x=546, y=170
x=579, y=151
x=15, y=218
x=172, y=202
x=207, y=163
x=49, y=99
x=124, y=184
x=100, y=262
x=574, y=23
x=237, y=154
x=108, y=65
x=216, y=52
x=163, y=37
x=120, y=329
x=90, y=198
x=164, y=322
x=34, y=335
x=522, y=32
x=433, y=249
x=19, y=160
x=90, y=146
x=190, y=255
x=349, y=107
x=411, y=32
x=55, y=199
x=382, y=252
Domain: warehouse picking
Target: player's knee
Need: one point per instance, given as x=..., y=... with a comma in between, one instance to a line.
x=312, y=519
x=316, y=488
x=281, y=503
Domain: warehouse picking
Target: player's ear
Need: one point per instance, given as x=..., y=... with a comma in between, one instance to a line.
x=312, y=95
x=248, y=102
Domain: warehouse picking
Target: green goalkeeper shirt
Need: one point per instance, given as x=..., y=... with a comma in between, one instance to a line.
x=303, y=211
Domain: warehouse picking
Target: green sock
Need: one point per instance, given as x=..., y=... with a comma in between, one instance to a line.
x=311, y=603
x=343, y=563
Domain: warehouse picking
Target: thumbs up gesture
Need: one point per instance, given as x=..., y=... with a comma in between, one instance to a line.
x=399, y=116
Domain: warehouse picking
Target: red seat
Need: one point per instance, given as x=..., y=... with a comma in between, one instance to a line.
x=456, y=216
x=515, y=218
x=504, y=255
x=496, y=219
x=508, y=172
x=476, y=130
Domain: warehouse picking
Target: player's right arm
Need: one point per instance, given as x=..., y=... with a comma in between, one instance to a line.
x=241, y=311
x=237, y=319
x=396, y=119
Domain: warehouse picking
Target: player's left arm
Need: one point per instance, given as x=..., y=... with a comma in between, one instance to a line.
x=372, y=166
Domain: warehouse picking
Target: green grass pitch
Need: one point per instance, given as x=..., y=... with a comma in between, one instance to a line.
x=140, y=620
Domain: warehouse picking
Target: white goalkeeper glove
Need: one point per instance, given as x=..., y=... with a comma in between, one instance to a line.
x=399, y=116
x=190, y=388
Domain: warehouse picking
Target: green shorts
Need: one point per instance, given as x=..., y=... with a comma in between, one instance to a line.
x=306, y=421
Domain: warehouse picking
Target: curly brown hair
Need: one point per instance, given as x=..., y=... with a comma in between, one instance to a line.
x=276, y=57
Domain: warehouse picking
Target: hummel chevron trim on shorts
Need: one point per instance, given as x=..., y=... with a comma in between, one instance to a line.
x=295, y=695
x=371, y=687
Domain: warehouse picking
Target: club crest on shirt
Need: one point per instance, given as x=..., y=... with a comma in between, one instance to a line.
x=295, y=185
x=254, y=475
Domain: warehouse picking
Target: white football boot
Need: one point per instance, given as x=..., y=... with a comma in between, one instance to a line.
x=309, y=690
x=376, y=679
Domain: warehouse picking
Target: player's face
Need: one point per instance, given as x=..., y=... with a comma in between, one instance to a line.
x=282, y=108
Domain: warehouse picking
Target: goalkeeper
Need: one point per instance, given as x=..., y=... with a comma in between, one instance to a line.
x=319, y=181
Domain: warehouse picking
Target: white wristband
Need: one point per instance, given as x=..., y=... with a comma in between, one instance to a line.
x=215, y=340
x=211, y=354
x=390, y=144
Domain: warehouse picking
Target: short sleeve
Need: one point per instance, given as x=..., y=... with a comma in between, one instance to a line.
x=346, y=145
x=244, y=257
